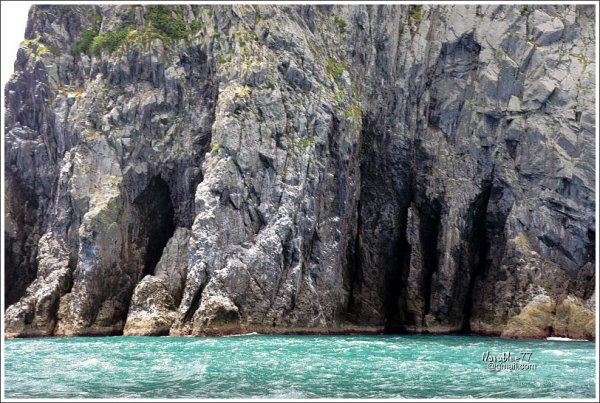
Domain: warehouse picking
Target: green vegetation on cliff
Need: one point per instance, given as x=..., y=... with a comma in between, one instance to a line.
x=163, y=25
x=162, y=18
x=83, y=44
x=109, y=40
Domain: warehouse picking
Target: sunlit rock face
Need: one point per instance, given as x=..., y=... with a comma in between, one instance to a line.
x=193, y=170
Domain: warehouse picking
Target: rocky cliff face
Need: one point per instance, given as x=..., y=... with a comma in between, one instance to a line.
x=192, y=170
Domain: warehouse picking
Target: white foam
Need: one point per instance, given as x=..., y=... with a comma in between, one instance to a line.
x=243, y=334
x=286, y=394
x=94, y=363
x=563, y=339
x=91, y=362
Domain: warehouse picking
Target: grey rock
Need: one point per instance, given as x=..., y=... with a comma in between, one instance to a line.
x=545, y=28
x=35, y=313
x=152, y=309
x=173, y=263
x=415, y=169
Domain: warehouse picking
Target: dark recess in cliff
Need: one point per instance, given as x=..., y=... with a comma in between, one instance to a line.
x=20, y=265
x=395, y=278
x=477, y=249
x=413, y=310
x=155, y=210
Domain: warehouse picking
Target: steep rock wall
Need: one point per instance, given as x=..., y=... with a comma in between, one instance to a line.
x=301, y=168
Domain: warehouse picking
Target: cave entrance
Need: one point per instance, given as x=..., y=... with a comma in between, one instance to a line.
x=157, y=224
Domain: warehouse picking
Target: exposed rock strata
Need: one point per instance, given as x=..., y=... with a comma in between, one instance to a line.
x=307, y=168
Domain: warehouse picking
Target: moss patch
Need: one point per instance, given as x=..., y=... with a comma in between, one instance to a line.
x=354, y=112
x=341, y=23
x=305, y=142
x=335, y=69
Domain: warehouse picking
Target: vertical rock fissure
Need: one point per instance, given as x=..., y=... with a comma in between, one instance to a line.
x=20, y=267
x=195, y=303
x=480, y=247
x=395, y=280
x=430, y=229
x=354, y=271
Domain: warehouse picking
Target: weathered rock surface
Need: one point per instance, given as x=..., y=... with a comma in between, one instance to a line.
x=543, y=317
x=404, y=168
x=173, y=264
x=35, y=313
x=152, y=309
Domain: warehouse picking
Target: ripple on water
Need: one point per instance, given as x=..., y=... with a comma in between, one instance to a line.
x=93, y=363
x=293, y=367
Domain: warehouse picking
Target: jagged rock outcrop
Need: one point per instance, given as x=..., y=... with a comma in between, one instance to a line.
x=201, y=170
x=543, y=317
x=36, y=312
x=152, y=309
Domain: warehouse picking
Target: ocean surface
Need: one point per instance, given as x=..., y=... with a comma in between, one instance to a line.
x=257, y=366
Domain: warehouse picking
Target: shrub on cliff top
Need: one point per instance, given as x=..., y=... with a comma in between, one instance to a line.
x=109, y=40
x=83, y=44
x=162, y=18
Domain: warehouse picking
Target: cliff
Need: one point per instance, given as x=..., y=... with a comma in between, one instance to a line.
x=194, y=170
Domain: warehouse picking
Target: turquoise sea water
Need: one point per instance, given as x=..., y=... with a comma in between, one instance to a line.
x=259, y=366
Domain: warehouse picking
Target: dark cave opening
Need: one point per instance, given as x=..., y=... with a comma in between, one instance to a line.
x=402, y=312
x=157, y=223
